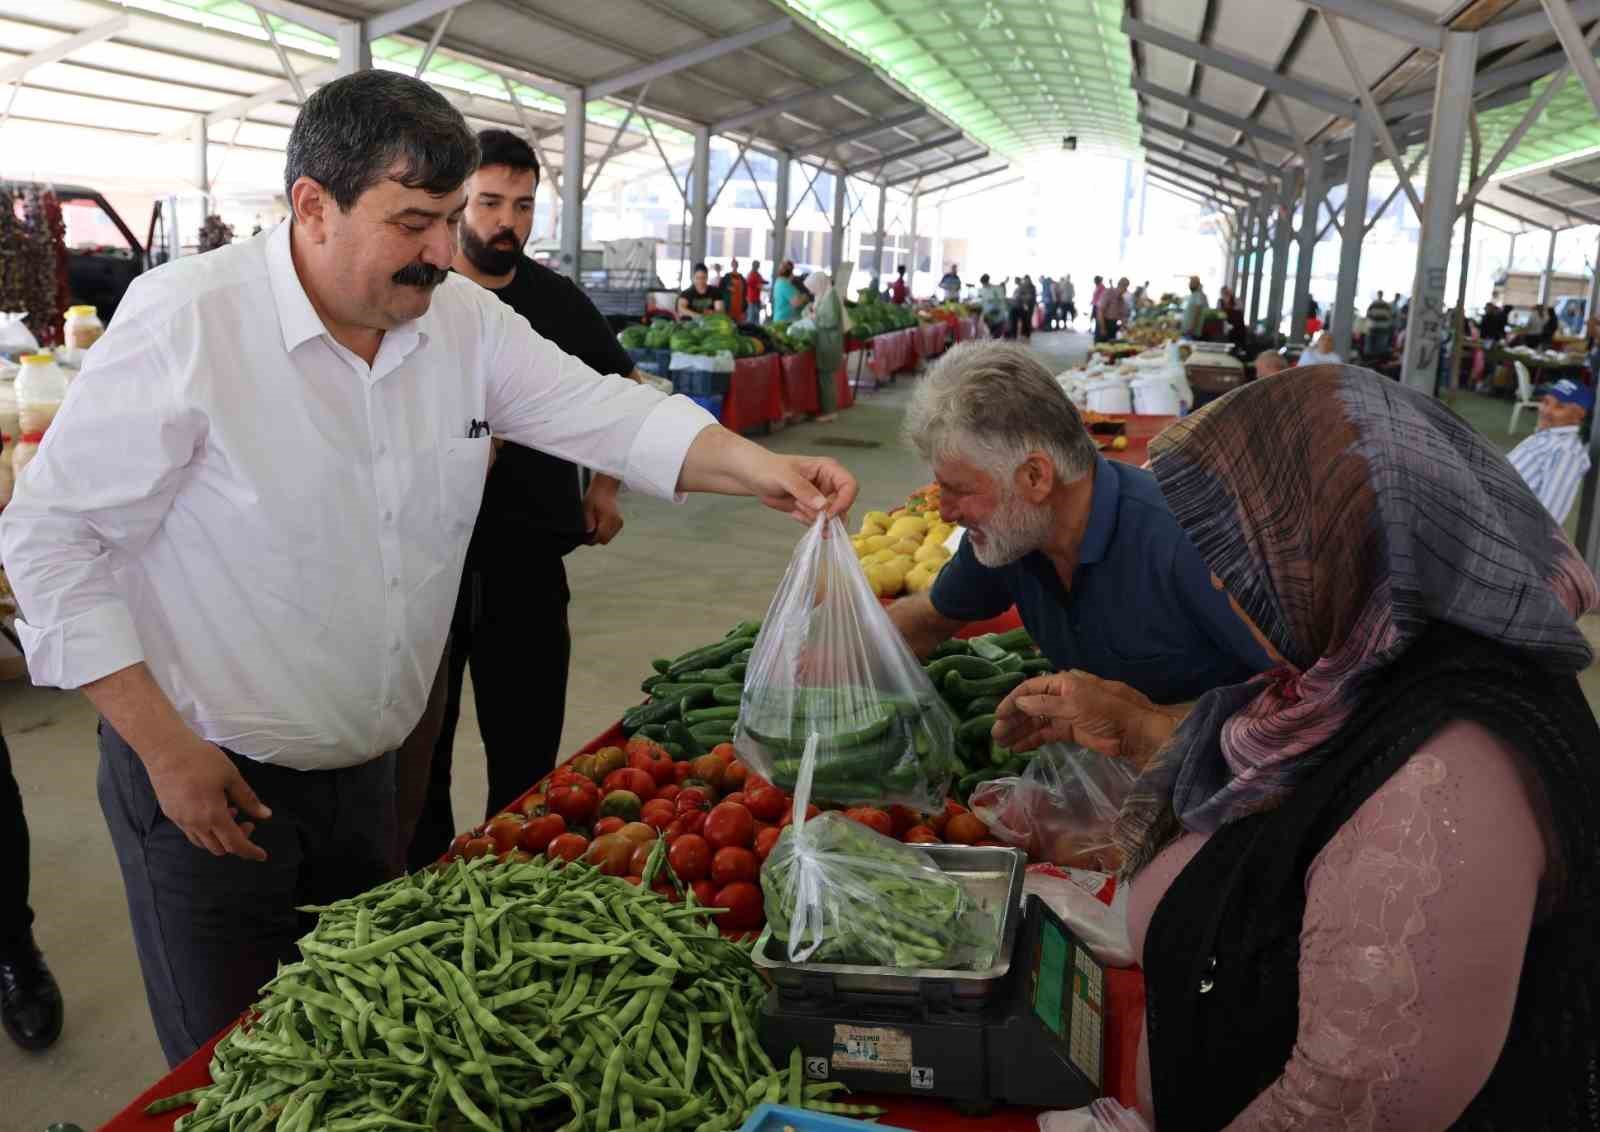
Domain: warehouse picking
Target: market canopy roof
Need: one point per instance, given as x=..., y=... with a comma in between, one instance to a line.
x=739, y=67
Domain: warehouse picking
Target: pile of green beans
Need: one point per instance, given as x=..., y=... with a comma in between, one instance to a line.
x=492, y=995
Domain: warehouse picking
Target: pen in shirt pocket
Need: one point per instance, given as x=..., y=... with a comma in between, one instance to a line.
x=476, y=428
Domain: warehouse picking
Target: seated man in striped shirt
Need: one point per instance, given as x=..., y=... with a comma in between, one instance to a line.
x=1555, y=459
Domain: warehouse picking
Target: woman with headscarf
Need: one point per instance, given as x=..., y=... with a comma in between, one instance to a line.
x=828, y=314
x=1363, y=885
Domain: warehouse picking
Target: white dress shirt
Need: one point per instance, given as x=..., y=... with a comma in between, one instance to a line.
x=277, y=529
x=1553, y=462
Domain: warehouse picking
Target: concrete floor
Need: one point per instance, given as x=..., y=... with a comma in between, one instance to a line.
x=676, y=577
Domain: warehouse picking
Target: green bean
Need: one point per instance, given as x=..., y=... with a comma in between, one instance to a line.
x=608, y=1088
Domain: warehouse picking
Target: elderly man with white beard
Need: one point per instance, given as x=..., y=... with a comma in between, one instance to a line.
x=1104, y=578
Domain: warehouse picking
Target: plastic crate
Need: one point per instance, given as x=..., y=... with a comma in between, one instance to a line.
x=775, y=1118
x=658, y=362
x=701, y=383
x=711, y=404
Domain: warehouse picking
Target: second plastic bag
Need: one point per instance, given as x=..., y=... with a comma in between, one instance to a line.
x=829, y=664
x=1062, y=808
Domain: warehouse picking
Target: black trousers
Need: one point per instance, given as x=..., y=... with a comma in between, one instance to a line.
x=211, y=930
x=16, y=918
x=510, y=625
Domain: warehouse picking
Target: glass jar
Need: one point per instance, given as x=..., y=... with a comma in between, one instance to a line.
x=40, y=387
x=9, y=426
x=82, y=328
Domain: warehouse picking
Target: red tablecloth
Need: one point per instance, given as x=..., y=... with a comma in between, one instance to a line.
x=1124, y=1022
x=1141, y=431
x=755, y=393
x=892, y=352
x=931, y=339
x=969, y=327
x=841, y=384
x=800, y=383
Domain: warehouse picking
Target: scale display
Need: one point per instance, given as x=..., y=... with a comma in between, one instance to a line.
x=1067, y=990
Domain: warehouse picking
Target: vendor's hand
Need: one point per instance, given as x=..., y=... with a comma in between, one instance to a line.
x=602, y=518
x=804, y=486
x=1075, y=707
x=202, y=793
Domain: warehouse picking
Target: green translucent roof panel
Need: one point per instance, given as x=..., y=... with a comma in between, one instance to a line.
x=1015, y=75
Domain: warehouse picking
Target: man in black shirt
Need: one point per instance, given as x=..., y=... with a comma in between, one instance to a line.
x=511, y=616
x=700, y=297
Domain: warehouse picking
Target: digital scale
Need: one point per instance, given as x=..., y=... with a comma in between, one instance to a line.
x=1029, y=1031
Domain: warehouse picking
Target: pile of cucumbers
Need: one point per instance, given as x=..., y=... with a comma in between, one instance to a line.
x=972, y=677
x=694, y=698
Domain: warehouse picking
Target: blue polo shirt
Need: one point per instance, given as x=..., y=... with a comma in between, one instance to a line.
x=1141, y=608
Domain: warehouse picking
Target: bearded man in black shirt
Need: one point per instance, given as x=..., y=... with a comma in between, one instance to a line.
x=511, y=615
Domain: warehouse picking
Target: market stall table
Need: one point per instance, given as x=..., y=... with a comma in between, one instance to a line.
x=931, y=339
x=799, y=381
x=755, y=394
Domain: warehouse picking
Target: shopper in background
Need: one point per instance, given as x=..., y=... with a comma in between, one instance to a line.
x=1270, y=363
x=1084, y=547
x=733, y=292
x=1554, y=460
x=1111, y=311
x=1094, y=298
x=1069, y=306
x=1047, y=300
x=30, y=1001
x=1379, y=339
x=699, y=297
x=1321, y=352
x=829, y=314
x=754, y=286
x=1017, y=325
x=950, y=284
x=788, y=297
x=1313, y=316
x=715, y=278
x=1364, y=886
x=244, y=539
x=1493, y=327
x=898, y=291
x=1141, y=296
x=514, y=585
x=1195, y=306
x=993, y=298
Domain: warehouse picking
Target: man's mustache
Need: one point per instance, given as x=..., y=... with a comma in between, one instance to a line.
x=423, y=275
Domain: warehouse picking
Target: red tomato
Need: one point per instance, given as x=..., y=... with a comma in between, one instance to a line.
x=788, y=814
x=610, y=854
x=533, y=805
x=729, y=823
x=694, y=821
x=766, y=839
x=504, y=831
x=964, y=829
x=639, y=781
x=953, y=807
x=641, y=856
x=692, y=798
x=735, y=775
x=634, y=880
x=920, y=835
x=477, y=847
x=540, y=832
x=743, y=901
x=608, y=825
x=457, y=845
x=658, y=813
x=638, y=833
x=704, y=892
x=669, y=792
x=560, y=777
x=680, y=771
x=737, y=796
x=519, y=856
x=576, y=801
x=664, y=889
x=725, y=752
x=902, y=818
x=767, y=803
x=652, y=760
x=935, y=822
x=873, y=819
x=731, y=863
x=567, y=847
x=673, y=831
x=690, y=857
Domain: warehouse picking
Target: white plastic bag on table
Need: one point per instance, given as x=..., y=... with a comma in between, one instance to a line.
x=836, y=891
x=1102, y=927
x=1061, y=809
x=1104, y=1115
x=829, y=664
x=15, y=337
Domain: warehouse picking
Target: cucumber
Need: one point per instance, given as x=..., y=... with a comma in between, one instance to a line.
x=1011, y=662
x=661, y=664
x=955, y=646
x=1014, y=640
x=964, y=689
x=981, y=706
x=708, y=657
x=671, y=689
x=656, y=711
x=985, y=647
x=975, y=732
x=673, y=749
x=745, y=629
x=655, y=732
x=729, y=694
x=708, y=714
x=1039, y=666
x=711, y=733
x=678, y=732
x=794, y=742
x=973, y=667
x=743, y=657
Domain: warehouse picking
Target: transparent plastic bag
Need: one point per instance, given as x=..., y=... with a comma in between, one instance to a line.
x=1061, y=809
x=838, y=892
x=1104, y=1115
x=828, y=663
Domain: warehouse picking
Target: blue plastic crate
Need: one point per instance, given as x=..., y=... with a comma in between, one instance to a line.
x=700, y=383
x=712, y=405
x=776, y=1117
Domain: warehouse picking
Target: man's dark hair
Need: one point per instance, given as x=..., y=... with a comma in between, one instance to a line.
x=353, y=131
x=502, y=147
x=698, y=267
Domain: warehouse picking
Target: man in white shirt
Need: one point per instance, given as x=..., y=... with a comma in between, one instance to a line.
x=1554, y=460
x=1194, y=309
x=243, y=535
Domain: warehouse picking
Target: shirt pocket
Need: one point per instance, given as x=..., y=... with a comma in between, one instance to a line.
x=463, y=470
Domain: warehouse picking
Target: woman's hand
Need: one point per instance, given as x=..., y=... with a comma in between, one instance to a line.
x=1075, y=707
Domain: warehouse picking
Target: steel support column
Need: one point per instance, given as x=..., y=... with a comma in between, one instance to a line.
x=202, y=175
x=1258, y=266
x=780, y=214
x=355, y=51
x=1342, y=317
x=573, y=129
x=699, y=194
x=1549, y=267
x=911, y=271
x=880, y=271
x=1283, y=216
x=1310, y=224
x=1593, y=309
x=836, y=253
x=1447, y=148
x=1458, y=320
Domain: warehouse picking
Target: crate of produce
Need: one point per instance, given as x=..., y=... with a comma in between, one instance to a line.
x=657, y=362
x=782, y=1118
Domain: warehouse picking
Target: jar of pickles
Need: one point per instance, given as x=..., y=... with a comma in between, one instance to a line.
x=82, y=328
x=41, y=386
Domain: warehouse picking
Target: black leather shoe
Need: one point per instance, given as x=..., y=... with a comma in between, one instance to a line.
x=30, y=1000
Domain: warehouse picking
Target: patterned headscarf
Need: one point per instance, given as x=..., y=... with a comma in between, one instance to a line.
x=1344, y=513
